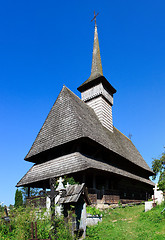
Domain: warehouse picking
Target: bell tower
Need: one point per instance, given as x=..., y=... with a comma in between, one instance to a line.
x=96, y=91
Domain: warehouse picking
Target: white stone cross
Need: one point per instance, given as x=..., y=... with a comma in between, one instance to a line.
x=156, y=187
x=60, y=180
x=67, y=185
x=60, y=185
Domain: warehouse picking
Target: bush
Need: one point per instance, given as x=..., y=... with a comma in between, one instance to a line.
x=20, y=225
x=1, y=207
x=93, y=232
x=93, y=211
x=63, y=230
x=154, y=215
x=18, y=199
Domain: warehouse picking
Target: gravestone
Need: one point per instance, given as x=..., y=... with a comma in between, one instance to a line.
x=71, y=201
x=157, y=198
x=158, y=195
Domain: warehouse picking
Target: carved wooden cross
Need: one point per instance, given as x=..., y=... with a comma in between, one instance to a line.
x=94, y=17
x=52, y=193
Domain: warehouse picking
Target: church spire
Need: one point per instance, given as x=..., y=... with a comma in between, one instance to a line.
x=96, y=70
x=96, y=91
x=96, y=59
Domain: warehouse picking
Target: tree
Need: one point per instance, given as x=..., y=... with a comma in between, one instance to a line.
x=18, y=199
x=69, y=180
x=1, y=207
x=33, y=192
x=158, y=167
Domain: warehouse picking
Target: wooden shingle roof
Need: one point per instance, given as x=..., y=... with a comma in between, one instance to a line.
x=72, y=163
x=70, y=119
x=73, y=193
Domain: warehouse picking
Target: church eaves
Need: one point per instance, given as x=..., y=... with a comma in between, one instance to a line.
x=71, y=163
x=70, y=119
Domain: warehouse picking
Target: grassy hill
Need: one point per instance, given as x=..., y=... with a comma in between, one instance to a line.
x=130, y=223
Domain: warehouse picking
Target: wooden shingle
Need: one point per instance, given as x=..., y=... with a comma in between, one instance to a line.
x=70, y=119
x=72, y=163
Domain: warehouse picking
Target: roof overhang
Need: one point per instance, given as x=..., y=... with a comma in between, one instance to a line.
x=95, y=81
x=72, y=163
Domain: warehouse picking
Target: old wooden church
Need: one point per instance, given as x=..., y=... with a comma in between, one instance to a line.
x=78, y=139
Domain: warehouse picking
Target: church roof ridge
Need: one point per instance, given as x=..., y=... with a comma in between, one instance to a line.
x=27, y=155
x=72, y=93
x=122, y=134
x=71, y=119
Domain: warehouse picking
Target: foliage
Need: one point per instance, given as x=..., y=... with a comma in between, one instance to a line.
x=18, y=199
x=67, y=179
x=155, y=215
x=20, y=223
x=1, y=207
x=70, y=180
x=119, y=204
x=11, y=207
x=93, y=211
x=63, y=230
x=33, y=192
x=158, y=167
x=130, y=223
x=93, y=232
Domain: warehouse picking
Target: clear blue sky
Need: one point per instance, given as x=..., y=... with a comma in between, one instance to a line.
x=45, y=44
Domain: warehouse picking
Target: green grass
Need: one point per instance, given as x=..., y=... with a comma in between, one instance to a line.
x=19, y=227
x=130, y=223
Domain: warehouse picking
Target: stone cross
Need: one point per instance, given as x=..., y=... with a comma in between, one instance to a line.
x=60, y=185
x=156, y=188
x=60, y=180
x=67, y=185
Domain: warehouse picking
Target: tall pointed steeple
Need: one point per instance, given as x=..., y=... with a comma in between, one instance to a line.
x=96, y=91
x=96, y=70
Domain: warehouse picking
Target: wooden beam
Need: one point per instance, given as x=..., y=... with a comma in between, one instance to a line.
x=28, y=191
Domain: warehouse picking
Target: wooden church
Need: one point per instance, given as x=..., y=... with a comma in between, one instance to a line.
x=78, y=139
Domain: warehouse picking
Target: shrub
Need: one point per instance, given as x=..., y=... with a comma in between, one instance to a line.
x=119, y=204
x=20, y=224
x=18, y=199
x=63, y=230
x=93, y=211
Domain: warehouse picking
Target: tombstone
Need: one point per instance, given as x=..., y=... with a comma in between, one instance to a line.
x=158, y=195
x=71, y=201
x=50, y=198
x=61, y=192
x=148, y=205
x=157, y=198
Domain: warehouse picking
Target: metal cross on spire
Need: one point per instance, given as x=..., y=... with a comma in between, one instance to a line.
x=94, y=17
